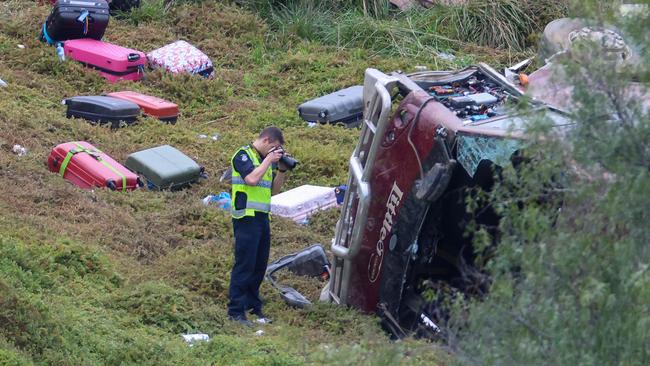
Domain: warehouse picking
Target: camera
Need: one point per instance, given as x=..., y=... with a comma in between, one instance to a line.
x=286, y=159
x=289, y=161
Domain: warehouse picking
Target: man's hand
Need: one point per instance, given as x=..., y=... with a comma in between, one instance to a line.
x=282, y=166
x=274, y=156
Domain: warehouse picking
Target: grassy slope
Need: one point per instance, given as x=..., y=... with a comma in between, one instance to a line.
x=92, y=277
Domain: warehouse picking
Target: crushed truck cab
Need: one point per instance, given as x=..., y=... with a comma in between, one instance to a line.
x=401, y=234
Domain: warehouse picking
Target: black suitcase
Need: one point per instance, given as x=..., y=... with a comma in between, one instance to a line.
x=101, y=110
x=74, y=19
x=343, y=106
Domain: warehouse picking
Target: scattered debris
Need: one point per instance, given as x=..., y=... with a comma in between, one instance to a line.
x=21, y=46
x=311, y=261
x=339, y=192
x=215, y=137
x=515, y=75
x=197, y=337
x=259, y=332
x=60, y=52
x=445, y=56
x=19, y=150
x=3, y=84
x=421, y=68
x=222, y=200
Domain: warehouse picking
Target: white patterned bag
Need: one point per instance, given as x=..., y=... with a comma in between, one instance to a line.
x=180, y=57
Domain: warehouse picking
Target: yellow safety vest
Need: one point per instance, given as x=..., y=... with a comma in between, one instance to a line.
x=258, y=197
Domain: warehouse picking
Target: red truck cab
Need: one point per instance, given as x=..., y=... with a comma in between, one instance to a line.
x=401, y=236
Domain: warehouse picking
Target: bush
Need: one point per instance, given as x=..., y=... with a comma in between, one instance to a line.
x=419, y=32
x=570, y=275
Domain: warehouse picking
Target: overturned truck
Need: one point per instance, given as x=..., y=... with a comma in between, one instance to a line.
x=426, y=141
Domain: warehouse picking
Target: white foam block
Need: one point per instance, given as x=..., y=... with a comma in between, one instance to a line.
x=300, y=202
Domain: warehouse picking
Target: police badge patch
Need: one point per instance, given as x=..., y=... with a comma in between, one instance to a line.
x=244, y=157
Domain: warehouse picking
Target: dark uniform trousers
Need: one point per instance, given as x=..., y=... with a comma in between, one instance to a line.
x=252, y=245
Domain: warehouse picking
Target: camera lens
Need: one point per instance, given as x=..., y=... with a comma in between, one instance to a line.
x=289, y=162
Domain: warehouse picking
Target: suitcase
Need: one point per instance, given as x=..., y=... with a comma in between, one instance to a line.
x=344, y=106
x=164, y=167
x=74, y=19
x=84, y=165
x=101, y=110
x=113, y=62
x=299, y=203
x=155, y=107
x=181, y=57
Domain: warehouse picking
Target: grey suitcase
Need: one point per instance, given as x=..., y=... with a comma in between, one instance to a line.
x=100, y=109
x=343, y=106
x=164, y=167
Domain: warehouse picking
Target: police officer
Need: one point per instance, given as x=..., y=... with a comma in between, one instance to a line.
x=253, y=182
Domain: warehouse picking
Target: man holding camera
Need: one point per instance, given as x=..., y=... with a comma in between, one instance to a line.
x=253, y=182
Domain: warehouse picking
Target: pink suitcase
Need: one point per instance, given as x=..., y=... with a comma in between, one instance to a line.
x=112, y=61
x=84, y=165
x=299, y=203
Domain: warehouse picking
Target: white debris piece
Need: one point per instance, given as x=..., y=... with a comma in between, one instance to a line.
x=197, y=337
x=19, y=150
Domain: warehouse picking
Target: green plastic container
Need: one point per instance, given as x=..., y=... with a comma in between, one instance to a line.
x=164, y=167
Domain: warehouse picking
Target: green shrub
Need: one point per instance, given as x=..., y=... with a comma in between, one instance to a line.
x=570, y=278
x=494, y=23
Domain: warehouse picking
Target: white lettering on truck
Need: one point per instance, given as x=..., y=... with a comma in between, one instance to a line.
x=377, y=257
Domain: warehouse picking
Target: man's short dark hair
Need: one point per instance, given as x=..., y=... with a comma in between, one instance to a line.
x=273, y=133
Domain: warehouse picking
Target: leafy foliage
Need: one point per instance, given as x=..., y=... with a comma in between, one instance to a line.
x=570, y=272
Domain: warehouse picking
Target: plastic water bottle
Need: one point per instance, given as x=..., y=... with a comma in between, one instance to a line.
x=222, y=200
x=60, y=52
x=208, y=199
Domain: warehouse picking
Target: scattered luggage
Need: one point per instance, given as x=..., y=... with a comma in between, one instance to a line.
x=101, y=110
x=113, y=62
x=152, y=106
x=343, y=106
x=164, y=167
x=181, y=57
x=85, y=166
x=74, y=19
x=299, y=203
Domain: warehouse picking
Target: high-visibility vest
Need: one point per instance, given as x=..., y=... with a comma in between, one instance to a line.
x=258, y=197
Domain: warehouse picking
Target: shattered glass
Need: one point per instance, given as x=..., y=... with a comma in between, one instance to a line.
x=474, y=149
